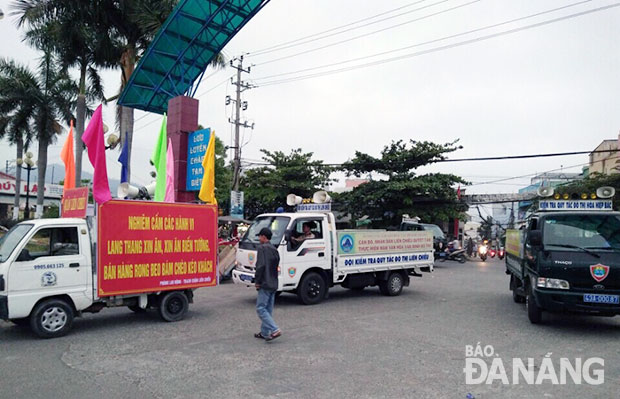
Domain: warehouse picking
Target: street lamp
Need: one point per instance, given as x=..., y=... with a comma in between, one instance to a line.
x=112, y=141
x=29, y=166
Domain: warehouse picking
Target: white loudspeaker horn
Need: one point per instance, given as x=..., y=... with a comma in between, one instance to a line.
x=150, y=189
x=125, y=190
x=321, y=197
x=605, y=192
x=146, y=192
x=545, y=191
x=292, y=200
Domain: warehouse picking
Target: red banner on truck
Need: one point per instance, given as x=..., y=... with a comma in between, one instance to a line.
x=154, y=246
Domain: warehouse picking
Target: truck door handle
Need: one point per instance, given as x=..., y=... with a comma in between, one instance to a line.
x=74, y=264
x=321, y=254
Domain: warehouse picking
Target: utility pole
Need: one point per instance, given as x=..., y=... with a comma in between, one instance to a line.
x=239, y=106
x=511, y=221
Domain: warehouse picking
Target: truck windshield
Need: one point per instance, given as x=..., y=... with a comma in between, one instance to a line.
x=11, y=239
x=277, y=225
x=587, y=231
x=437, y=233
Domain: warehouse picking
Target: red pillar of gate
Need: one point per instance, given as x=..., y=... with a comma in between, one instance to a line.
x=182, y=120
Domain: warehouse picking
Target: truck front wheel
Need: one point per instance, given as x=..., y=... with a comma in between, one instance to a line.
x=312, y=289
x=534, y=313
x=393, y=286
x=173, y=306
x=52, y=318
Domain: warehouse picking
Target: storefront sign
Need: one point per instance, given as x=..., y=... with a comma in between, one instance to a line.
x=7, y=186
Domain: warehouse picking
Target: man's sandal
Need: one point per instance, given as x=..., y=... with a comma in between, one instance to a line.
x=273, y=335
x=259, y=336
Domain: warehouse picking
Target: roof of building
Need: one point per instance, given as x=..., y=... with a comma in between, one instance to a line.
x=6, y=176
x=604, y=143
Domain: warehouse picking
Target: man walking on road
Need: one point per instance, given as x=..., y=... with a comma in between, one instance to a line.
x=266, y=281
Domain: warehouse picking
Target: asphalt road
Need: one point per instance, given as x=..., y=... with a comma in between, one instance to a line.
x=354, y=345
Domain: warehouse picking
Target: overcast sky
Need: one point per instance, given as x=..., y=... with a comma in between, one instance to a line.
x=552, y=88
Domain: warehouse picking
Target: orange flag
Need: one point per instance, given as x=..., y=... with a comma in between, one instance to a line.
x=67, y=158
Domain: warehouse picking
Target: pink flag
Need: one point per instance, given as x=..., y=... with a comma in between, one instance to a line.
x=169, y=197
x=93, y=138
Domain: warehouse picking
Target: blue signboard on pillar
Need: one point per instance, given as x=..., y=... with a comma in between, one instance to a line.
x=197, y=143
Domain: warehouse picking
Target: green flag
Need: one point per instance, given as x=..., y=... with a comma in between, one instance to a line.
x=159, y=161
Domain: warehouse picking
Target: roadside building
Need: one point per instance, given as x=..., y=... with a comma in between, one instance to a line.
x=605, y=163
x=53, y=194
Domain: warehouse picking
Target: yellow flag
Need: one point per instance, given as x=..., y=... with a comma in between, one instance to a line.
x=207, y=188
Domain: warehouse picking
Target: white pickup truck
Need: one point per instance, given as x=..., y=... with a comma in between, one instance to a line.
x=354, y=259
x=49, y=273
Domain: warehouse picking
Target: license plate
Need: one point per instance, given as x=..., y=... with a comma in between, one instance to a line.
x=245, y=277
x=596, y=298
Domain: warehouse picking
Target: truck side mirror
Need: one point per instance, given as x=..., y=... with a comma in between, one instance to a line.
x=535, y=238
x=287, y=235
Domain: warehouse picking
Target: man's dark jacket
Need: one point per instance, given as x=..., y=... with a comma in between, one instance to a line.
x=267, y=260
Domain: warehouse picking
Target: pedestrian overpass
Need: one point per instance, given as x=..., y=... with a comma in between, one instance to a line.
x=481, y=199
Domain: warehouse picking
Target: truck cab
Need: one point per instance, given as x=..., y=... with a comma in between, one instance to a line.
x=45, y=259
x=566, y=261
x=297, y=255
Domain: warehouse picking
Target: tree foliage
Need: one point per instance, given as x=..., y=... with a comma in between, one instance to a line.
x=46, y=98
x=71, y=29
x=432, y=197
x=266, y=187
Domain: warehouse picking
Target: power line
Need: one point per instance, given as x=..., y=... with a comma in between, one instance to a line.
x=535, y=174
x=369, y=33
x=507, y=157
x=418, y=44
x=441, y=48
x=501, y=158
x=265, y=50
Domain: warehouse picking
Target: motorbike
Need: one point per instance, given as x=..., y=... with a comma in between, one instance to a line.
x=501, y=253
x=492, y=253
x=458, y=255
x=482, y=251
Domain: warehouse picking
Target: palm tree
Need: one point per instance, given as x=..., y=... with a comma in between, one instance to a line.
x=74, y=30
x=15, y=123
x=131, y=41
x=135, y=24
x=51, y=98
